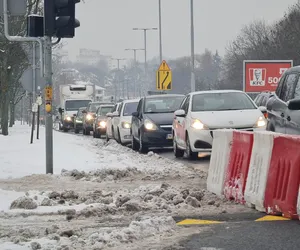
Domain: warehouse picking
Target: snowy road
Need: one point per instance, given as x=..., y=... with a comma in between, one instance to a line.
x=102, y=196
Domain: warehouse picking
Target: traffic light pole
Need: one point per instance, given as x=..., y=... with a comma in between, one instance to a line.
x=48, y=99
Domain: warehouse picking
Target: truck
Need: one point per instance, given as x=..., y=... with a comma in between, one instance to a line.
x=73, y=97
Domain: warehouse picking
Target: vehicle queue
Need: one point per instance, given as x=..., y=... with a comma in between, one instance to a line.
x=184, y=122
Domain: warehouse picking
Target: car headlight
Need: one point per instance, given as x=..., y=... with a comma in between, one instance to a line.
x=126, y=125
x=149, y=125
x=196, y=124
x=102, y=124
x=68, y=118
x=89, y=117
x=261, y=122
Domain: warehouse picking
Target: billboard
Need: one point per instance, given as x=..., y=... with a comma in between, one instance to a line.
x=261, y=75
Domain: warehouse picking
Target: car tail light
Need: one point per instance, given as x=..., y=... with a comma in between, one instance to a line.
x=266, y=115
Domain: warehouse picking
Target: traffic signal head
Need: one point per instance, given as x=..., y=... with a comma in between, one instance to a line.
x=59, y=18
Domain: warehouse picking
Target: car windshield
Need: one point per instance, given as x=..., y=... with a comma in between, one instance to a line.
x=163, y=104
x=221, y=102
x=72, y=105
x=105, y=110
x=129, y=108
x=93, y=108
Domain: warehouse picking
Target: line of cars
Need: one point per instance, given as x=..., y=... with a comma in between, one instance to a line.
x=184, y=122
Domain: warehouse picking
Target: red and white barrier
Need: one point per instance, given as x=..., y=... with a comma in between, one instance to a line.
x=263, y=170
x=258, y=169
x=237, y=171
x=219, y=160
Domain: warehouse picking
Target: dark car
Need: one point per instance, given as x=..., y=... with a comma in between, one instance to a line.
x=261, y=100
x=89, y=116
x=152, y=122
x=284, y=106
x=78, y=120
x=99, y=127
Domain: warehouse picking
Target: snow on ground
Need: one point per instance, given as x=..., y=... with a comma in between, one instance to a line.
x=102, y=196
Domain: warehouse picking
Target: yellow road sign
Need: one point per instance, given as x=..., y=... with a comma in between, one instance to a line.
x=164, y=77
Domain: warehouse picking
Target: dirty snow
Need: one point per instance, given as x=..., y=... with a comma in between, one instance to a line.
x=102, y=196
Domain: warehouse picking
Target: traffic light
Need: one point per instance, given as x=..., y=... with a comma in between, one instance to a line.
x=59, y=18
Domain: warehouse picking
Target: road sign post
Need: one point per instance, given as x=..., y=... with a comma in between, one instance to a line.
x=164, y=77
x=39, y=102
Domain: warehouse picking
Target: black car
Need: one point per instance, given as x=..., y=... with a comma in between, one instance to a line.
x=284, y=106
x=151, y=125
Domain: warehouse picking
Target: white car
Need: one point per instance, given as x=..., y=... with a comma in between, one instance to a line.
x=109, y=129
x=121, y=121
x=203, y=112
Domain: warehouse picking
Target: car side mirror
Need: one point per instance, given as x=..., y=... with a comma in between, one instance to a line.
x=84, y=111
x=294, y=104
x=74, y=115
x=116, y=113
x=263, y=109
x=180, y=113
x=60, y=110
x=94, y=115
x=109, y=114
x=135, y=114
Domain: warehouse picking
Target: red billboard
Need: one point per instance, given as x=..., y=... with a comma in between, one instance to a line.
x=263, y=75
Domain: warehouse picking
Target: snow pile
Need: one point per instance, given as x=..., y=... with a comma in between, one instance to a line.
x=164, y=199
x=137, y=230
x=100, y=238
x=118, y=162
x=7, y=197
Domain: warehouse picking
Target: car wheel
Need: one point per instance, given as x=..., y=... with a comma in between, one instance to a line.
x=76, y=131
x=177, y=151
x=190, y=154
x=119, y=138
x=65, y=130
x=94, y=133
x=107, y=138
x=134, y=145
x=143, y=149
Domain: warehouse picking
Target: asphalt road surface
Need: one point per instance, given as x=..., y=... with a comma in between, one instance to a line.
x=242, y=231
x=202, y=163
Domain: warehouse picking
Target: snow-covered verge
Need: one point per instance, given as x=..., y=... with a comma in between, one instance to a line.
x=103, y=195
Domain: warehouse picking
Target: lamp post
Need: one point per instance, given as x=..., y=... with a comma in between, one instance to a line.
x=123, y=87
x=145, y=43
x=135, y=64
x=193, y=81
x=145, y=47
x=160, y=31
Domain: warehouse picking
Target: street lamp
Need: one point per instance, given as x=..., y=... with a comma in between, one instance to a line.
x=123, y=87
x=134, y=53
x=193, y=81
x=160, y=36
x=135, y=63
x=145, y=43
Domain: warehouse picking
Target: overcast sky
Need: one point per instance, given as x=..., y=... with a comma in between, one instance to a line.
x=106, y=25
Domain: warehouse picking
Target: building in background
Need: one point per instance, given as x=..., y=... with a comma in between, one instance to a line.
x=99, y=93
x=92, y=57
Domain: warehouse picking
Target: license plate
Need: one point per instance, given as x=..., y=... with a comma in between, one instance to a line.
x=169, y=137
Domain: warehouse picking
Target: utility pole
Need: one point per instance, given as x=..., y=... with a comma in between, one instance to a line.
x=193, y=80
x=33, y=80
x=145, y=47
x=135, y=67
x=160, y=31
x=118, y=81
